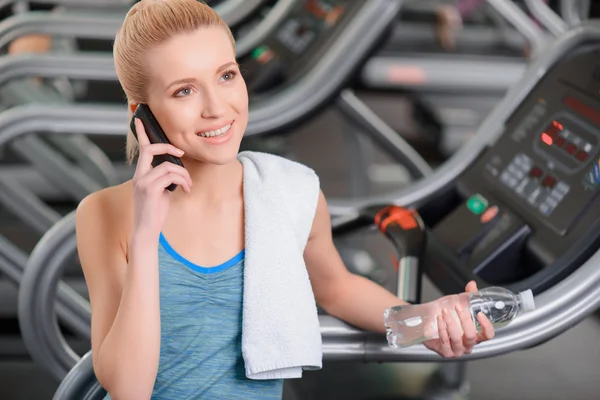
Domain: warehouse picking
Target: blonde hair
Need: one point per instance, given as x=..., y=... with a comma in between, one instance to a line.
x=147, y=24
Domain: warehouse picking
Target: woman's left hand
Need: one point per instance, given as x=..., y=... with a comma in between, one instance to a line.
x=456, y=339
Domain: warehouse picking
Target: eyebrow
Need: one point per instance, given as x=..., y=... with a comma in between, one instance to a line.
x=190, y=80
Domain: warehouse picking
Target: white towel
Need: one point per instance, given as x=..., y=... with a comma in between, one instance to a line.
x=280, y=330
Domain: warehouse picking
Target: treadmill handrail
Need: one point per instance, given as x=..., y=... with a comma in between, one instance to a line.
x=104, y=26
x=517, y=18
x=81, y=25
x=549, y=18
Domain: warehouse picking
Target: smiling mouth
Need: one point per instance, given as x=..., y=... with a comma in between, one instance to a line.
x=216, y=132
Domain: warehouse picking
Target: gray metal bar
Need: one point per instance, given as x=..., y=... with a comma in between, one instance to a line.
x=81, y=3
x=574, y=12
x=89, y=158
x=551, y=21
x=517, y=18
x=259, y=33
x=389, y=140
x=413, y=36
x=104, y=26
x=235, y=11
x=442, y=73
x=81, y=382
x=90, y=66
x=51, y=164
x=37, y=296
x=70, y=308
x=65, y=24
x=31, y=180
x=408, y=282
x=487, y=132
x=86, y=154
x=28, y=207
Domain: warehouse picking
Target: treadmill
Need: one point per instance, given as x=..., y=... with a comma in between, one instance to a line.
x=517, y=206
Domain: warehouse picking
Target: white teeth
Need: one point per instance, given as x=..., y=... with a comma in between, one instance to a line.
x=216, y=132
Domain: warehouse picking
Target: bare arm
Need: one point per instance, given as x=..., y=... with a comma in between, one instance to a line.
x=344, y=295
x=124, y=299
x=361, y=302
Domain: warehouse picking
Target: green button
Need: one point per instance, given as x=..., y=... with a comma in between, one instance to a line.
x=477, y=204
x=256, y=53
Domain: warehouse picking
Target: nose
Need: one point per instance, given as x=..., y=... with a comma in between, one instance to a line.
x=213, y=105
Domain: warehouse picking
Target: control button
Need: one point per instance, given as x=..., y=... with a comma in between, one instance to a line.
x=516, y=171
x=545, y=208
x=549, y=181
x=562, y=188
x=560, y=141
x=582, y=155
x=587, y=147
x=508, y=180
x=263, y=54
x=491, y=169
x=534, y=198
x=477, y=204
x=489, y=214
x=523, y=161
x=527, y=187
x=536, y=172
x=571, y=148
x=552, y=202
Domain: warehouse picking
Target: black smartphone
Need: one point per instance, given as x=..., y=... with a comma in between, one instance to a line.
x=155, y=135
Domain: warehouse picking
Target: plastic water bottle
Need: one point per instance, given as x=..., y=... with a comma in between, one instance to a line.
x=407, y=325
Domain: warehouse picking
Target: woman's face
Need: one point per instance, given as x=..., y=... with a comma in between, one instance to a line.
x=198, y=95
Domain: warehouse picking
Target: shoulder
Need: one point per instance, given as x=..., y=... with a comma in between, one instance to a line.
x=106, y=212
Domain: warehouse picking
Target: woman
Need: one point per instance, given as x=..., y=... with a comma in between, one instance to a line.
x=164, y=269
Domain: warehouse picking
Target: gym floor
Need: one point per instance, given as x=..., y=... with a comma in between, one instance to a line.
x=559, y=369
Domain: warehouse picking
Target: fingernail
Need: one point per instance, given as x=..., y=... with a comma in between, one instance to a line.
x=180, y=152
x=445, y=311
x=457, y=308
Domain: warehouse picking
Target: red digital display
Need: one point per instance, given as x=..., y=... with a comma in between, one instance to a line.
x=582, y=109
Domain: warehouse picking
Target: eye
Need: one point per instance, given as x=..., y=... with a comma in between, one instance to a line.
x=186, y=91
x=229, y=75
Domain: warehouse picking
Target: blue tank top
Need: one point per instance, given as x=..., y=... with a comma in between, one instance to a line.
x=201, y=332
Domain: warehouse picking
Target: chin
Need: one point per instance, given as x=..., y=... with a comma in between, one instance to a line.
x=222, y=157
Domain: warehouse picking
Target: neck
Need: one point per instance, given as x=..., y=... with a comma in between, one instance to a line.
x=212, y=183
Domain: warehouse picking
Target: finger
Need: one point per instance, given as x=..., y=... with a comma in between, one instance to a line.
x=168, y=167
x=158, y=184
x=444, y=346
x=469, y=329
x=166, y=180
x=471, y=287
x=140, y=132
x=148, y=153
x=487, y=329
x=454, y=332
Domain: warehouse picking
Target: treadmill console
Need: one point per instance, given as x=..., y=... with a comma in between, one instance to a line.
x=296, y=43
x=530, y=202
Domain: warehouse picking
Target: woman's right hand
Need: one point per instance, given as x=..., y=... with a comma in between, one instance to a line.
x=150, y=196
